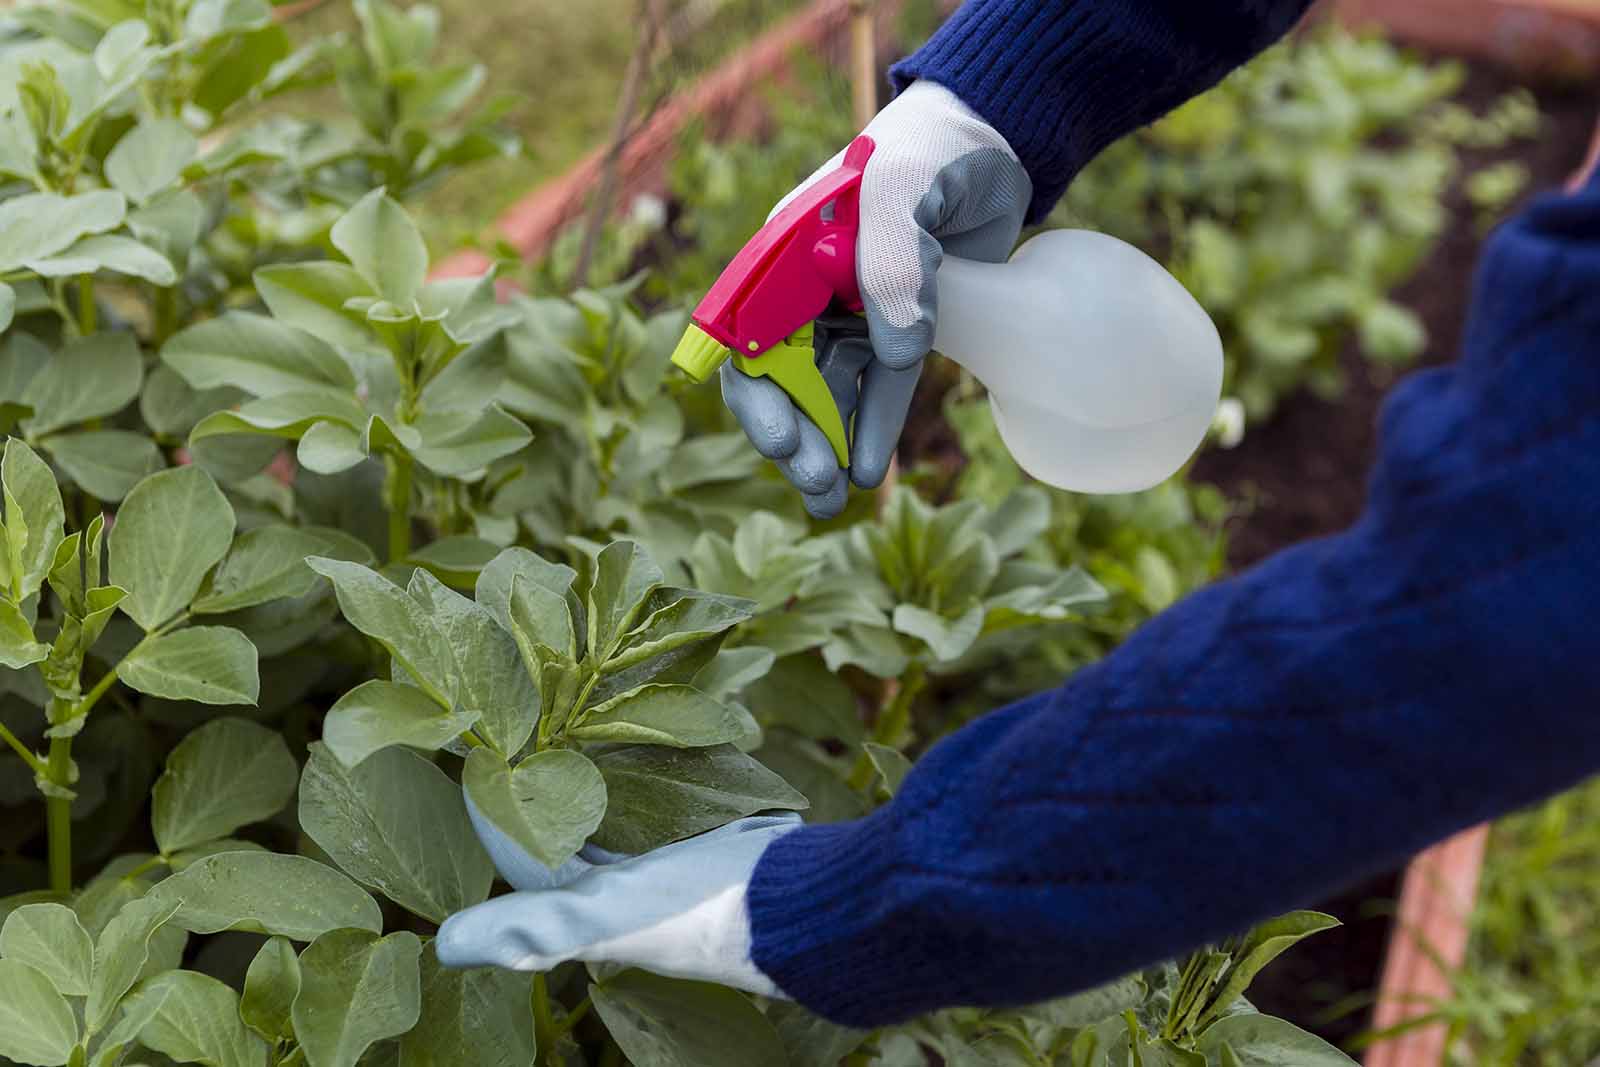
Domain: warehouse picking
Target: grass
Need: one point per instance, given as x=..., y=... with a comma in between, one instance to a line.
x=1528, y=995
x=563, y=61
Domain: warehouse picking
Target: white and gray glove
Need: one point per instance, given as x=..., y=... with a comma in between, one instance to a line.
x=939, y=180
x=679, y=911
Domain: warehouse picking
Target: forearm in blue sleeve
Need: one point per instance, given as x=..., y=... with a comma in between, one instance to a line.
x=1275, y=736
x=1061, y=79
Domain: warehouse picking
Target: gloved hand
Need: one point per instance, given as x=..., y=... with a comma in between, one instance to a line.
x=678, y=911
x=940, y=180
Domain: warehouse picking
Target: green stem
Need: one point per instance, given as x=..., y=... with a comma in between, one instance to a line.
x=58, y=817
x=399, y=504
x=544, y=1026
x=166, y=314
x=148, y=865
x=574, y=1017
x=34, y=763
x=894, y=724
x=87, y=316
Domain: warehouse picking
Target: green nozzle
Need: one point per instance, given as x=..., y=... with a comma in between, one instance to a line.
x=699, y=354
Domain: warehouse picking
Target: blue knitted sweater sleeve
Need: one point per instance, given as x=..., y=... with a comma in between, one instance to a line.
x=1274, y=736
x=1061, y=79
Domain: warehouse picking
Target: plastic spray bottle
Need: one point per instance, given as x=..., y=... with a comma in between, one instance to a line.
x=1102, y=370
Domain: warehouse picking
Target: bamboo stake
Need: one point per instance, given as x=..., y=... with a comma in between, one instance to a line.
x=863, y=62
x=651, y=18
x=864, y=105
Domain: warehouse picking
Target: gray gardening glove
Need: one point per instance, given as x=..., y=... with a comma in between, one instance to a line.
x=940, y=180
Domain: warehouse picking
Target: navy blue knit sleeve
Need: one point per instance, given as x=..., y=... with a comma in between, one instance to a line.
x=1061, y=79
x=1274, y=736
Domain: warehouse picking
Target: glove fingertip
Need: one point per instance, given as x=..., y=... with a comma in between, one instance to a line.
x=829, y=504
x=763, y=411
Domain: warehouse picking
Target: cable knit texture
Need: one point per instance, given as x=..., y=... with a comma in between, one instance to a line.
x=1277, y=735
x=1061, y=79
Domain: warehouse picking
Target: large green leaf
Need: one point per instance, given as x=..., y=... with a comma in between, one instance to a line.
x=808, y=1038
x=676, y=715
x=108, y=251
x=90, y=377
x=268, y=563
x=121, y=951
x=270, y=985
x=384, y=246
x=398, y=824
x=31, y=486
x=225, y=775
x=149, y=158
x=481, y=1017
x=312, y=296
x=549, y=804
x=329, y=448
x=49, y=938
x=209, y=664
x=377, y=714
x=137, y=1011
x=688, y=618
x=17, y=646
x=1264, y=1041
x=659, y=795
x=493, y=683
x=256, y=354
x=495, y=583
x=36, y=225
x=623, y=576
x=355, y=989
x=36, y=1022
x=105, y=463
x=668, y=1022
x=541, y=617
x=456, y=443
x=170, y=530
x=266, y=893
x=287, y=415
x=801, y=693
x=1261, y=946
x=383, y=611
x=197, y=1022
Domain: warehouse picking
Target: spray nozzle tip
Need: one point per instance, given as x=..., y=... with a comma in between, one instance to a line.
x=699, y=354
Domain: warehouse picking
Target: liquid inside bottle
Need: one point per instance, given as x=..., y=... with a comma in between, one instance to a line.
x=1103, y=371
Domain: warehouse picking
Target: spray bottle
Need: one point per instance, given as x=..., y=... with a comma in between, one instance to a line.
x=1102, y=370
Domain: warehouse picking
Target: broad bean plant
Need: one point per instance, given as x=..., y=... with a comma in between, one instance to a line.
x=310, y=556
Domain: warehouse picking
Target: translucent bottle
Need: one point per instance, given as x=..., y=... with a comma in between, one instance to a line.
x=1103, y=372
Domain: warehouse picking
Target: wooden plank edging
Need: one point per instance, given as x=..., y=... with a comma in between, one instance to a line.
x=531, y=224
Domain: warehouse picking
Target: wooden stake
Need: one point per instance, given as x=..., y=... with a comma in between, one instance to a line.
x=651, y=17
x=863, y=62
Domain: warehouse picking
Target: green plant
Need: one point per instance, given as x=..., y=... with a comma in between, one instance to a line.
x=423, y=545
x=1524, y=994
x=1294, y=197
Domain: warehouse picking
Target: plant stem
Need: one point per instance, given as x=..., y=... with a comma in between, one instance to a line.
x=545, y=1034
x=894, y=723
x=574, y=1017
x=34, y=762
x=399, y=504
x=649, y=21
x=58, y=817
x=87, y=317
